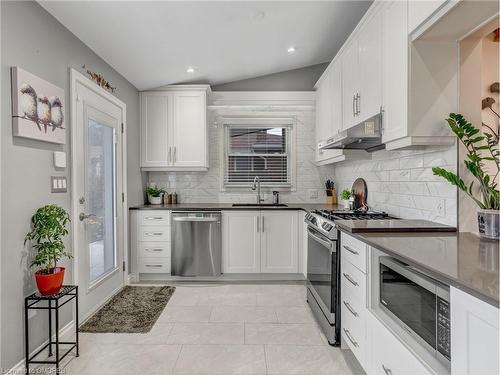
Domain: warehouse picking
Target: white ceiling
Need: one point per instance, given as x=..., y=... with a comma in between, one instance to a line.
x=152, y=43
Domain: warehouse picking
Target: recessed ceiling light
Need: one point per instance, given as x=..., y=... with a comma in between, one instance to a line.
x=190, y=70
x=291, y=49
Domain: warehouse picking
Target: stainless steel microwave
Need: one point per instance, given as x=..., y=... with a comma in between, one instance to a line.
x=417, y=303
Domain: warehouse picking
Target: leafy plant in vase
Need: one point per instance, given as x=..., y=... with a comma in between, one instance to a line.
x=345, y=195
x=47, y=233
x=155, y=194
x=481, y=147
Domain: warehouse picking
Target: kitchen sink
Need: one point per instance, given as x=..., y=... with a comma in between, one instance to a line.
x=259, y=205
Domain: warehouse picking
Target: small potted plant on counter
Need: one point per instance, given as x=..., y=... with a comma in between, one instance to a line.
x=481, y=148
x=47, y=233
x=155, y=194
x=345, y=195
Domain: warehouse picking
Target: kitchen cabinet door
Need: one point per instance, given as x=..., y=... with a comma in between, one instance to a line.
x=389, y=355
x=475, y=335
x=241, y=242
x=189, y=130
x=350, y=82
x=279, y=242
x=156, y=109
x=370, y=68
x=395, y=71
x=336, y=99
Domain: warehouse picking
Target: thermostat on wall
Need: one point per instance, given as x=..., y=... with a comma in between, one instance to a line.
x=59, y=159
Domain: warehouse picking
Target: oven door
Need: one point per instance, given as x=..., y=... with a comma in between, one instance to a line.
x=321, y=270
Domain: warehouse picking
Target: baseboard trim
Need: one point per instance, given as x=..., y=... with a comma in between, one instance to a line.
x=20, y=367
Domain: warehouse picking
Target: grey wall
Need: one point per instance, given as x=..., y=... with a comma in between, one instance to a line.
x=32, y=39
x=302, y=79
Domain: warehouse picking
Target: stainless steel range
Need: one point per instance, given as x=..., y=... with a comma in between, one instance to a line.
x=323, y=265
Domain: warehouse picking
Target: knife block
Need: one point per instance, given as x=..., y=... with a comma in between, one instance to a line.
x=331, y=196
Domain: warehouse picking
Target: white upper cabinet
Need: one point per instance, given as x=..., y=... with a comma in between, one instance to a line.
x=369, y=98
x=350, y=83
x=155, y=111
x=190, y=130
x=395, y=71
x=421, y=10
x=174, y=129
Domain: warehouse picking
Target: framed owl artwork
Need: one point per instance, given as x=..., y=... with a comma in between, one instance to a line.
x=37, y=108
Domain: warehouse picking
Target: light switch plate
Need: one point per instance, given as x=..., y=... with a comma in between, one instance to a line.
x=58, y=184
x=59, y=159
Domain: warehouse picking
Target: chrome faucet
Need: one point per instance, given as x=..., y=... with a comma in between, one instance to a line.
x=256, y=186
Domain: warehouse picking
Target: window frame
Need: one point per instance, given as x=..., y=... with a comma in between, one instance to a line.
x=259, y=122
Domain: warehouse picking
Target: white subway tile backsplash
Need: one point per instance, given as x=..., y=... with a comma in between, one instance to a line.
x=402, y=183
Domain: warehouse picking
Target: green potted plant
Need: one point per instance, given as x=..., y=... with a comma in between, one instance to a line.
x=481, y=147
x=155, y=194
x=345, y=195
x=47, y=233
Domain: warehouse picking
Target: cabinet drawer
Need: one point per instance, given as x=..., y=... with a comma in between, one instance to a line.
x=154, y=249
x=354, y=251
x=389, y=355
x=154, y=265
x=354, y=334
x=353, y=284
x=153, y=234
x=154, y=218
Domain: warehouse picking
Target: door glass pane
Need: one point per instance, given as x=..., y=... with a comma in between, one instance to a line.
x=101, y=184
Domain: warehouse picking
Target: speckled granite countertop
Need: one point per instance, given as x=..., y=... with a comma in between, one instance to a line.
x=229, y=206
x=461, y=260
x=391, y=226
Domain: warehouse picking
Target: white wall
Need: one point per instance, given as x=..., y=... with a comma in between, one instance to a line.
x=402, y=184
x=32, y=39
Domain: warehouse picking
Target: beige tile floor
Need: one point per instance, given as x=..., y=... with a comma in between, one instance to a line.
x=218, y=329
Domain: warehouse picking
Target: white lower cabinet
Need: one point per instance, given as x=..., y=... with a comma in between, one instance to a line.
x=388, y=355
x=150, y=241
x=260, y=242
x=240, y=242
x=475, y=335
x=354, y=305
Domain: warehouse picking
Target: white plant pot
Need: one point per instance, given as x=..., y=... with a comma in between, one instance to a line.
x=346, y=204
x=489, y=224
x=155, y=200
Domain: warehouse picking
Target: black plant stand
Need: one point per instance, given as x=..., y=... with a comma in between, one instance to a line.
x=51, y=303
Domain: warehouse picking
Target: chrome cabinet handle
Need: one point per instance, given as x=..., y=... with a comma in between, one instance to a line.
x=358, y=104
x=350, y=250
x=348, y=334
x=387, y=370
x=153, y=233
x=258, y=224
x=175, y=154
x=349, y=307
x=169, y=157
x=350, y=279
x=263, y=224
x=354, y=105
x=154, y=250
x=154, y=266
x=153, y=218
x=83, y=216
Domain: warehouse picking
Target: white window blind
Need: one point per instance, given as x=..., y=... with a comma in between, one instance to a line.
x=262, y=151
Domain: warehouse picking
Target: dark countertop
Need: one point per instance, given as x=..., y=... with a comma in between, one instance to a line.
x=229, y=206
x=386, y=226
x=461, y=260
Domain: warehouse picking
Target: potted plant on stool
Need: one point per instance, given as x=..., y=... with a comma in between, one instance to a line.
x=481, y=147
x=48, y=229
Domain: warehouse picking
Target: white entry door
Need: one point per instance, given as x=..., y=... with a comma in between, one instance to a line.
x=98, y=191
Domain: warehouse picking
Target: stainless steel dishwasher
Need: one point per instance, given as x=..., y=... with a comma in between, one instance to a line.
x=196, y=243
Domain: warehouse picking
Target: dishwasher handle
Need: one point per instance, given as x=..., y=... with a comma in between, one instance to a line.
x=196, y=219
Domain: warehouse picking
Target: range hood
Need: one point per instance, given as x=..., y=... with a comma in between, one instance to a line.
x=366, y=135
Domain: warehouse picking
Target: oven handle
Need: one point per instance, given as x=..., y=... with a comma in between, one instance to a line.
x=325, y=243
